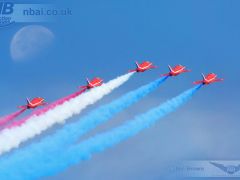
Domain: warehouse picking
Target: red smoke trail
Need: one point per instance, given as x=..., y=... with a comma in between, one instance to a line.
x=8, y=118
x=45, y=109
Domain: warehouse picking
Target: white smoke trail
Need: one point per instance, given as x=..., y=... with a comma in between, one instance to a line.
x=12, y=138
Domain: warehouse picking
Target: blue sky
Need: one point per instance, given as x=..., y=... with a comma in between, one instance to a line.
x=104, y=38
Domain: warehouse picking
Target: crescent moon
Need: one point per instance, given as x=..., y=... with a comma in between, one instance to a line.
x=29, y=41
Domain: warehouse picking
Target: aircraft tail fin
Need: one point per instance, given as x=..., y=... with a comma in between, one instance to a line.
x=203, y=76
x=170, y=68
x=88, y=81
x=137, y=64
x=28, y=101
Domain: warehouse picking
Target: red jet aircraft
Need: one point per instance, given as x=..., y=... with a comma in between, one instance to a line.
x=146, y=65
x=210, y=78
x=93, y=83
x=179, y=69
x=35, y=102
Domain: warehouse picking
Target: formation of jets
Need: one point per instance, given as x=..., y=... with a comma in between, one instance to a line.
x=142, y=67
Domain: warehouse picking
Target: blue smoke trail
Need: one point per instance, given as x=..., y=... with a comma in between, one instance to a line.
x=46, y=149
x=98, y=143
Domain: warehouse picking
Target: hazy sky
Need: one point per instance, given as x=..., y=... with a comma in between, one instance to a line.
x=104, y=38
